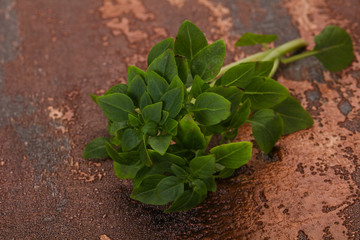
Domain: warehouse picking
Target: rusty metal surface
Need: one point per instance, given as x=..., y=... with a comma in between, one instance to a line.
x=54, y=53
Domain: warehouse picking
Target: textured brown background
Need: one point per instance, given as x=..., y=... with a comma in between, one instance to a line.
x=54, y=53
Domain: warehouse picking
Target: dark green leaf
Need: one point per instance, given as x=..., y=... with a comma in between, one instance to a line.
x=187, y=200
x=157, y=85
x=211, y=108
x=203, y=167
x=167, y=157
x=334, y=48
x=198, y=86
x=189, y=40
x=159, y=49
x=265, y=93
x=190, y=135
x=183, y=68
x=241, y=115
x=208, y=61
x=145, y=100
x=134, y=71
x=150, y=128
x=164, y=117
x=233, y=155
x=126, y=171
x=127, y=158
x=130, y=139
x=232, y=94
x=119, y=88
x=169, y=188
x=160, y=143
x=164, y=65
x=134, y=121
x=116, y=106
x=147, y=192
x=136, y=89
x=210, y=183
x=175, y=82
x=249, y=39
x=96, y=148
x=173, y=101
x=267, y=128
x=294, y=116
x=114, y=127
x=170, y=126
x=152, y=112
x=242, y=74
x=199, y=186
x=144, y=154
x=226, y=173
x=179, y=171
x=94, y=97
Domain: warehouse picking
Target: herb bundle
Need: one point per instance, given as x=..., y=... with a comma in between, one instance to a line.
x=161, y=122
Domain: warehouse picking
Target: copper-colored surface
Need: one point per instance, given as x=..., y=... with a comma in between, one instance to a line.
x=54, y=53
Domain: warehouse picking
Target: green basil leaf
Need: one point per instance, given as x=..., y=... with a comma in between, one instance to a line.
x=233, y=155
x=242, y=74
x=145, y=100
x=267, y=128
x=190, y=135
x=173, y=100
x=126, y=171
x=157, y=85
x=114, y=127
x=183, y=68
x=159, y=49
x=175, y=82
x=169, y=188
x=164, y=65
x=198, y=87
x=249, y=39
x=147, y=192
x=96, y=148
x=179, y=171
x=199, y=186
x=265, y=93
x=189, y=40
x=208, y=61
x=94, y=97
x=167, y=157
x=133, y=72
x=134, y=121
x=226, y=173
x=187, y=200
x=232, y=94
x=241, y=114
x=119, y=88
x=170, y=126
x=150, y=128
x=203, y=167
x=294, y=116
x=211, y=108
x=136, y=89
x=152, y=112
x=210, y=183
x=160, y=143
x=130, y=139
x=116, y=106
x=164, y=117
x=334, y=48
x=144, y=154
x=127, y=158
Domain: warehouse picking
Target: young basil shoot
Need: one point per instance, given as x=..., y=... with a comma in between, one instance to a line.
x=161, y=122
